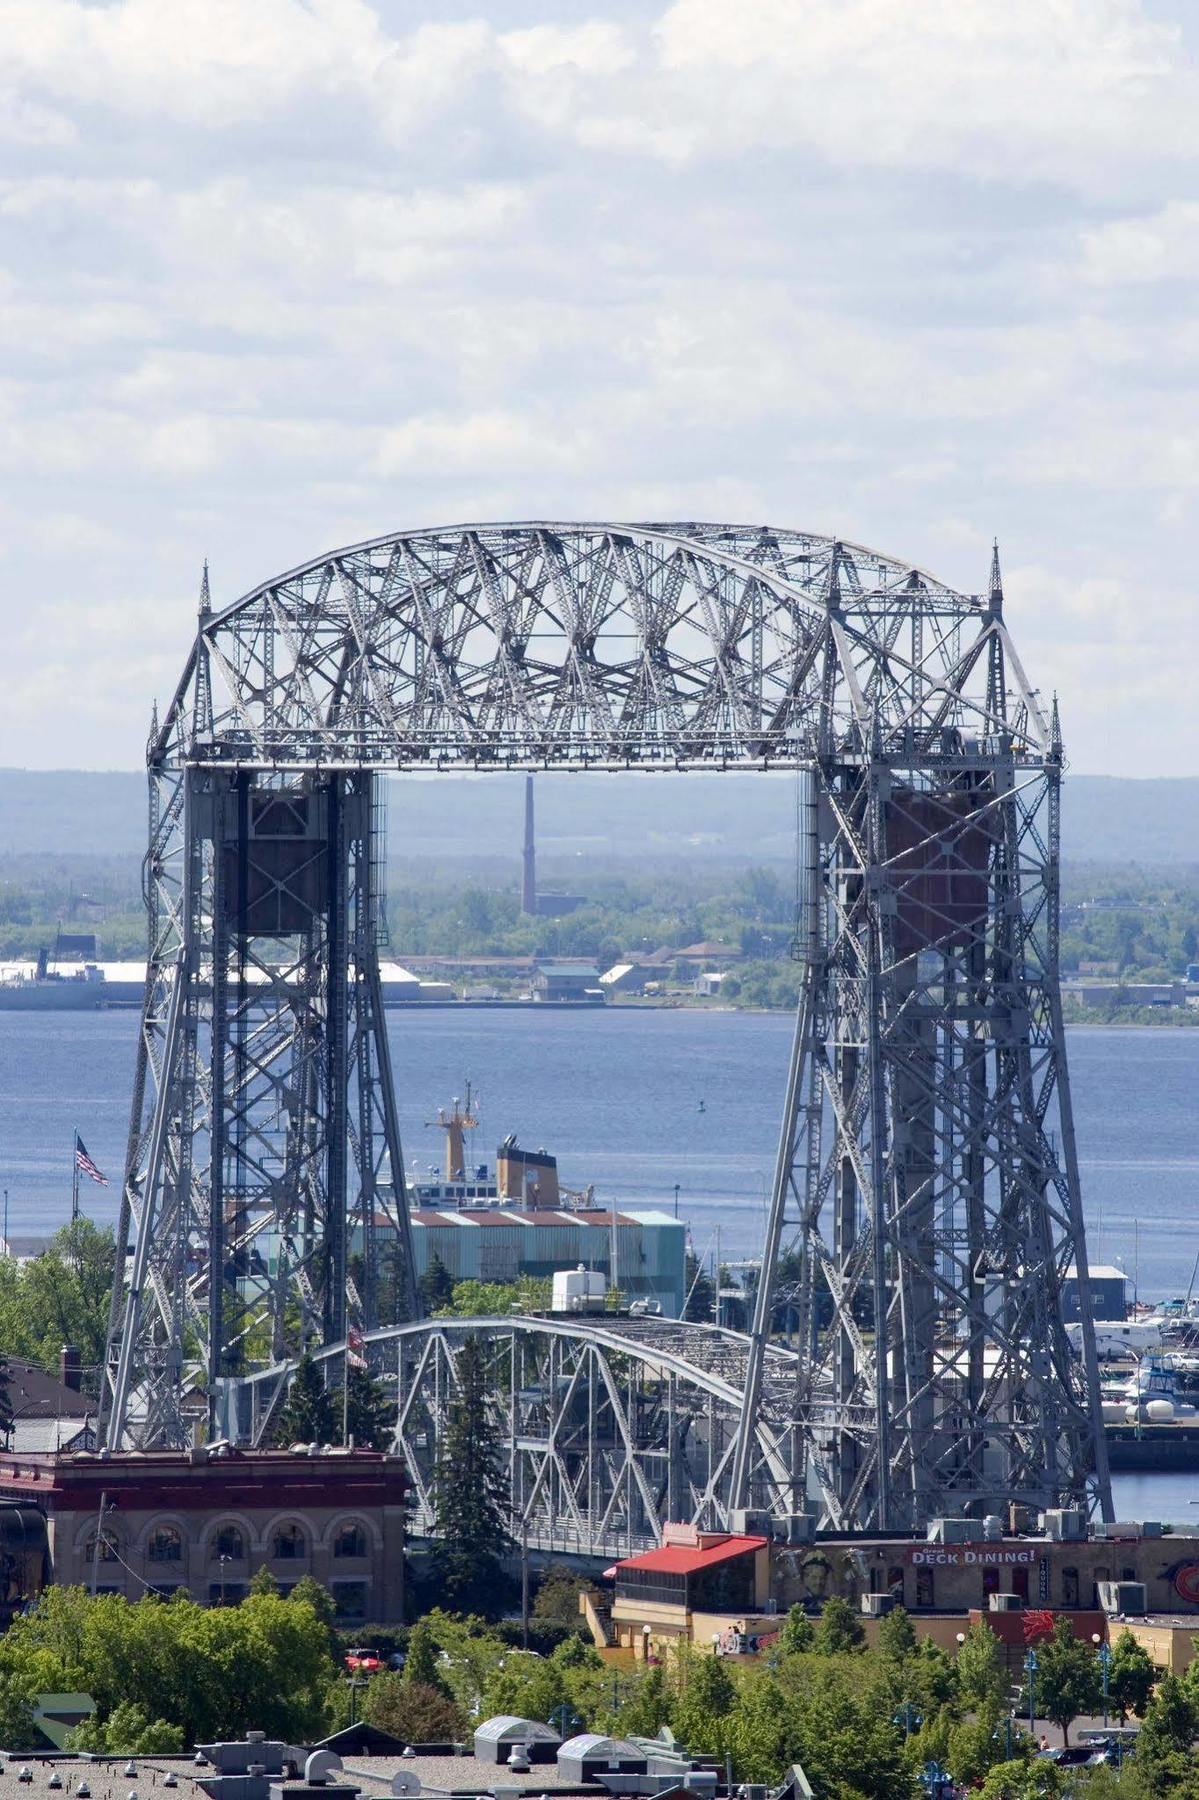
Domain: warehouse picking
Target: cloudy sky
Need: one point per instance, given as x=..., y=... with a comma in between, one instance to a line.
x=277, y=275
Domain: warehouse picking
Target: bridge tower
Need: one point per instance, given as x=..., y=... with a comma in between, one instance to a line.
x=926, y=1170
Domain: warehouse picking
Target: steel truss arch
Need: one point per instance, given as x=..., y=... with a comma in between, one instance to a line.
x=612, y=1426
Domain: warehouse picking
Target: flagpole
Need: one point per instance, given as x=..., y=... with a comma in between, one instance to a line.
x=75, y=1179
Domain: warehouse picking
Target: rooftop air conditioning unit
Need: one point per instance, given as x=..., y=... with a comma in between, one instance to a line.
x=953, y=1531
x=1065, y=1525
x=1006, y=1603
x=1125, y=1599
x=794, y=1528
x=745, y=1521
x=875, y=1606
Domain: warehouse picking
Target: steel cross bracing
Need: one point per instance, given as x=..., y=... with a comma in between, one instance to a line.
x=612, y=1425
x=926, y=1171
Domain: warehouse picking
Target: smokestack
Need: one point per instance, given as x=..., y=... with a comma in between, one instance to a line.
x=528, y=884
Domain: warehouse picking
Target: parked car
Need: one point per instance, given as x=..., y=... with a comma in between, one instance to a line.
x=366, y=1662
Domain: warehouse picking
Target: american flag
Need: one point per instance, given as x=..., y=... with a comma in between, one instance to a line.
x=355, y=1345
x=84, y=1163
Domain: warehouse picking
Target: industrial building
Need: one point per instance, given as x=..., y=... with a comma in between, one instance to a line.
x=205, y=1521
x=572, y=981
x=1109, y=1293
x=498, y=1243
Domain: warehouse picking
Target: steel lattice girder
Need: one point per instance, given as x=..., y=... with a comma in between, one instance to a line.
x=612, y=1426
x=934, y=1213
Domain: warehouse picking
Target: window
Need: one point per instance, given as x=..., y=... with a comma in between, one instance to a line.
x=924, y=1587
x=350, y=1541
x=108, y=1548
x=990, y=1583
x=895, y=1583
x=289, y=1543
x=227, y=1544
x=349, y=1599
x=1070, y=1589
x=165, y=1545
x=1102, y=1573
x=1020, y=1584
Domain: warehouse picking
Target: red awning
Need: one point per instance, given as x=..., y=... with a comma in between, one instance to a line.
x=689, y=1559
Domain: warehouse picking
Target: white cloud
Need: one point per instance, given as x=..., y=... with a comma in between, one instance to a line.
x=281, y=276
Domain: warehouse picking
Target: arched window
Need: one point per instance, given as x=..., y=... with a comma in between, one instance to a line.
x=350, y=1541
x=289, y=1543
x=165, y=1545
x=227, y=1545
x=108, y=1547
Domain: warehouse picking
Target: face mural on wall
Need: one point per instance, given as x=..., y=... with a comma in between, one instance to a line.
x=1184, y=1578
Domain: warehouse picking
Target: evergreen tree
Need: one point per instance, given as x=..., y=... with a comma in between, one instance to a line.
x=436, y=1285
x=472, y=1503
x=370, y=1415
x=1164, y=1741
x=307, y=1415
x=700, y=1290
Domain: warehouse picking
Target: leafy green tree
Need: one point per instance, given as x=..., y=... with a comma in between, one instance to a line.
x=529, y=1687
x=472, y=1504
x=308, y=1415
x=413, y=1711
x=263, y=1582
x=705, y=1693
x=798, y=1633
x=1168, y=1728
x=651, y=1707
x=557, y=1599
x=982, y=1679
x=370, y=1415
x=60, y=1297
x=760, y=1731
x=977, y=1745
x=422, y=1664
x=1022, y=1781
x=1067, y=1678
x=436, y=1285
x=129, y=1731
x=896, y=1635
x=1130, y=1677
x=839, y=1629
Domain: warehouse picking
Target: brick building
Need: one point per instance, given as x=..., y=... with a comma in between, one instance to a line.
x=206, y=1520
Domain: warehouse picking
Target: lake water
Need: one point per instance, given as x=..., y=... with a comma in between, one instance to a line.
x=637, y=1100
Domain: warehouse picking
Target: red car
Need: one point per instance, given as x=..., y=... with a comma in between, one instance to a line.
x=368, y=1661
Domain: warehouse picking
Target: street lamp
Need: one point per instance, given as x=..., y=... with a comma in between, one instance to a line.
x=1008, y=1727
x=961, y=1637
x=908, y=1717
x=1104, y=1653
x=1030, y=1669
x=222, y=1559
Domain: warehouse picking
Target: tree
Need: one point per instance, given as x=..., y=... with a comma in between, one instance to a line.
x=527, y=1686
x=472, y=1504
x=557, y=1599
x=436, y=1285
x=977, y=1745
x=982, y=1681
x=839, y=1629
x=705, y=1696
x=263, y=1582
x=1022, y=1781
x=370, y=1415
x=699, y=1290
x=413, y=1711
x=1067, y=1678
x=129, y=1731
x=651, y=1707
x=896, y=1635
x=1130, y=1676
x=1168, y=1728
x=760, y=1730
x=797, y=1634
x=307, y=1416
x=421, y=1665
